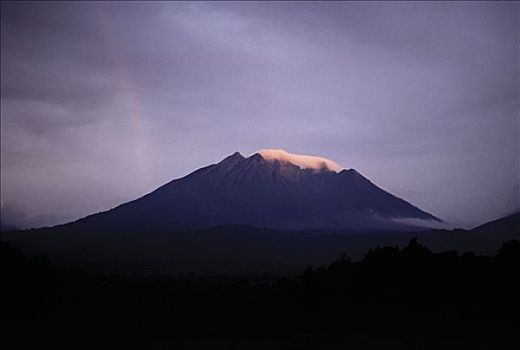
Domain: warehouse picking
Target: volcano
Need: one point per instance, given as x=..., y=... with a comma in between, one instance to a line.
x=269, y=189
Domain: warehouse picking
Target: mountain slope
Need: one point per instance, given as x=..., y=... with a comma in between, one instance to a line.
x=510, y=223
x=233, y=249
x=261, y=192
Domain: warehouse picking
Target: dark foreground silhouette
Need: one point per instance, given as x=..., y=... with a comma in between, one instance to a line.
x=238, y=250
x=394, y=298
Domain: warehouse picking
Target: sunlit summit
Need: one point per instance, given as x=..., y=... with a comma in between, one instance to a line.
x=300, y=160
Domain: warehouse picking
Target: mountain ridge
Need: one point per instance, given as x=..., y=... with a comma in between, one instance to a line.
x=258, y=192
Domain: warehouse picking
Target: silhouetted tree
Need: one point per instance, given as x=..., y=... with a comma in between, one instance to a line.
x=509, y=253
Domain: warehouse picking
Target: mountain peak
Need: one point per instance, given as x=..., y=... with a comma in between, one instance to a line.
x=234, y=156
x=267, y=189
x=232, y=160
x=300, y=160
x=351, y=171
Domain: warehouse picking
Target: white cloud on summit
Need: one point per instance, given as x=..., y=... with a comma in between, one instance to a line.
x=303, y=161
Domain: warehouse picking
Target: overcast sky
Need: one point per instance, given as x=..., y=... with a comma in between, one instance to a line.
x=104, y=102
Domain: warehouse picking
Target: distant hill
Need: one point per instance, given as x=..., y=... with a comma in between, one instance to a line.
x=272, y=189
x=505, y=225
x=484, y=239
x=234, y=249
x=6, y=228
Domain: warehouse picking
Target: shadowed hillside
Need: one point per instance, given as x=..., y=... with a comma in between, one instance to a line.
x=237, y=249
x=393, y=298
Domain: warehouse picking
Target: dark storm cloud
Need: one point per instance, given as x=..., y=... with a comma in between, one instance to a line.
x=105, y=101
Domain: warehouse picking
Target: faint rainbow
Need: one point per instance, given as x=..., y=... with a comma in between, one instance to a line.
x=130, y=97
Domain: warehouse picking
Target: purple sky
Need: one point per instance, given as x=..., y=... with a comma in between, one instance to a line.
x=103, y=102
